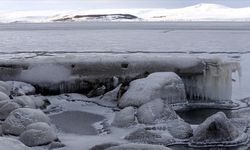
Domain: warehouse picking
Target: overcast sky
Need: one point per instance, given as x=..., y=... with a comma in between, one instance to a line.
x=98, y=4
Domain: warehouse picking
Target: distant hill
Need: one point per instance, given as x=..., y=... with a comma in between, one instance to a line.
x=199, y=12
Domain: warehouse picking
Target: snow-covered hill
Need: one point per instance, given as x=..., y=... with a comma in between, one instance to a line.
x=199, y=12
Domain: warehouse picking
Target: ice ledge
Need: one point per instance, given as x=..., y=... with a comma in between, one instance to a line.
x=205, y=78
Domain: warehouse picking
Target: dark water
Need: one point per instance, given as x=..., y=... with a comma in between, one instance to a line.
x=127, y=36
x=76, y=122
x=197, y=116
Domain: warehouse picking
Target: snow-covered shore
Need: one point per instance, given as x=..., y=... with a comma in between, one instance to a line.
x=199, y=12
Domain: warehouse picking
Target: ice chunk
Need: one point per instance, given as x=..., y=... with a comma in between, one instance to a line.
x=179, y=129
x=165, y=85
x=3, y=96
x=214, y=84
x=25, y=101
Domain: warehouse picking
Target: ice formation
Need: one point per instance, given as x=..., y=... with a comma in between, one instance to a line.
x=214, y=84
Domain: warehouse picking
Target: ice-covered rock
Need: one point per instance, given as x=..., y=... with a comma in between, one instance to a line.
x=40, y=101
x=56, y=145
x=7, y=108
x=179, y=129
x=12, y=144
x=165, y=85
x=20, y=88
x=3, y=96
x=125, y=117
x=155, y=112
x=217, y=130
x=143, y=136
x=19, y=119
x=4, y=87
x=133, y=146
x=25, y=101
x=111, y=95
x=37, y=134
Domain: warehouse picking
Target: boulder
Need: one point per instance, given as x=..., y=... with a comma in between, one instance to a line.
x=19, y=119
x=132, y=146
x=111, y=95
x=56, y=145
x=12, y=144
x=5, y=88
x=217, y=130
x=179, y=129
x=7, y=108
x=37, y=134
x=21, y=88
x=165, y=85
x=155, y=112
x=25, y=101
x=125, y=117
x=3, y=96
x=143, y=136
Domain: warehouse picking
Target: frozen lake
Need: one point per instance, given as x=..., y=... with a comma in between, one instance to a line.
x=120, y=37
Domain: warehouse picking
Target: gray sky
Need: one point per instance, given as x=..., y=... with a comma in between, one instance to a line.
x=11, y=5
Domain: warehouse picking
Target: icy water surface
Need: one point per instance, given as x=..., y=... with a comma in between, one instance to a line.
x=120, y=37
x=76, y=122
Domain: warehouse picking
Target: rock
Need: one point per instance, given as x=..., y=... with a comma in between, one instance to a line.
x=165, y=85
x=104, y=146
x=40, y=101
x=37, y=134
x=97, y=91
x=111, y=95
x=3, y=96
x=217, y=130
x=56, y=145
x=25, y=101
x=133, y=146
x=12, y=144
x=5, y=88
x=21, y=88
x=155, y=112
x=124, y=118
x=179, y=129
x=7, y=108
x=20, y=118
x=144, y=136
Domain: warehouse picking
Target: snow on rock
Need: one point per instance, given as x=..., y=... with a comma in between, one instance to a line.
x=3, y=96
x=179, y=129
x=25, y=101
x=56, y=145
x=20, y=118
x=111, y=95
x=40, y=101
x=20, y=88
x=125, y=117
x=217, y=130
x=143, y=136
x=37, y=134
x=155, y=112
x=132, y=146
x=12, y=144
x=104, y=146
x=165, y=85
x=7, y=108
x=5, y=88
